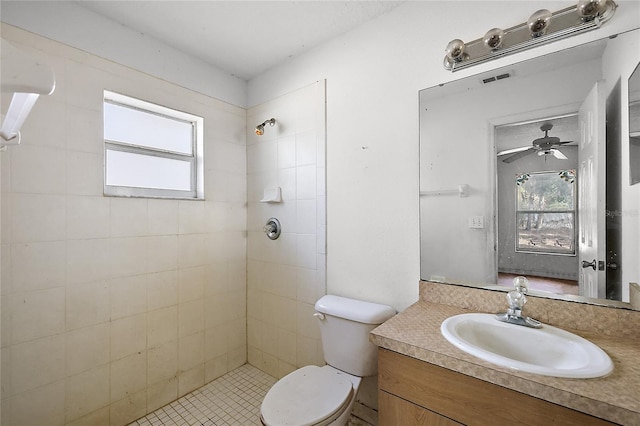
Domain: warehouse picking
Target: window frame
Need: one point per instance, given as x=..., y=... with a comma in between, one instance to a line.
x=572, y=212
x=195, y=159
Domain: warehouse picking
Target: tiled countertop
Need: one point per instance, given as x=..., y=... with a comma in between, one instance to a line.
x=416, y=332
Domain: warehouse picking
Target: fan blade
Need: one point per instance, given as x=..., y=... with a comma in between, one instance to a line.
x=513, y=150
x=519, y=155
x=558, y=154
x=563, y=142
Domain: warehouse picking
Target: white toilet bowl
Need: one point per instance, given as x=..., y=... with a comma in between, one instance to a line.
x=323, y=396
x=311, y=396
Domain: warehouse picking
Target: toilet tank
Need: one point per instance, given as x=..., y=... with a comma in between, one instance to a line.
x=344, y=328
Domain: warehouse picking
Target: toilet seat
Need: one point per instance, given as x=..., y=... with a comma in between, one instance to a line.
x=308, y=396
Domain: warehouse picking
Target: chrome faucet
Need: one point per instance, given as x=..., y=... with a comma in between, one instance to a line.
x=517, y=299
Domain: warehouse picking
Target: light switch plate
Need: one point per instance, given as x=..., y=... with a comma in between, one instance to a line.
x=476, y=222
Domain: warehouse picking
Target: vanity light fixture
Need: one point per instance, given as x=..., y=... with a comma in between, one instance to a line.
x=542, y=27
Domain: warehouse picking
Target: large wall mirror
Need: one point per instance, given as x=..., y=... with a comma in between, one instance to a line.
x=529, y=170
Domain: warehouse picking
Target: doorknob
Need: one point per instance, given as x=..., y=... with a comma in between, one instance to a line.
x=591, y=264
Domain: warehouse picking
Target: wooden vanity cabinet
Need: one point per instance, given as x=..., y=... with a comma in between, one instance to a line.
x=415, y=393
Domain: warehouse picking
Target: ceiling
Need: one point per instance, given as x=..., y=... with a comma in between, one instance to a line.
x=243, y=38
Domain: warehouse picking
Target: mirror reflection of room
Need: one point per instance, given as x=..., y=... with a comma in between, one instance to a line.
x=537, y=201
x=540, y=115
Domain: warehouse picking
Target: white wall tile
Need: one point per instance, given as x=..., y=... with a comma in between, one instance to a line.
x=84, y=130
x=5, y=324
x=162, y=253
x=191, y=379
x=46, y=124
x=162, y=217
x=41, y=406
x=287, y=347
x=161, y=393
x=287, y=180
x=162, y=289
x=127, y=256
x=215, y=342
x=38, y=170
x=99, y=417
x=305, y=256
x=322, y=239
x=262, y=157
x=286, y=152
x=129, y=409
x=87, y=392
x=191, y=250
x=306, y=113
x=87, y=348
x=37, y=363
x=162, y=326
x=37, y=217
x=306, y=182
x=228, y=157
x=128, y=296
x=128, y=217
x=87, y=260
x=191, y=217
x=37, y=314
x=216, y=185
x=87, y=217
x=88, y=304
x=85, y=175
x=162, y=362
x=191, y=351
x=128, y=375
x=321, y=184
x=191, y=318
x=237, y=334
x=37, y=265
x=109, y=276
x=306, y=281
x=191, y=283
x=306, y=216
x=306, y=148
x=128, y=336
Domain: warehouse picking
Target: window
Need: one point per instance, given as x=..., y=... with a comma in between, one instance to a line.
x=151, y=150
x=545, y=212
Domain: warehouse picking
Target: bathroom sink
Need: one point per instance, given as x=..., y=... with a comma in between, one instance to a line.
x=548, y=351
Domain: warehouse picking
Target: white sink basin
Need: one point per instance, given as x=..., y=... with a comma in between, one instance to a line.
x=549, y=351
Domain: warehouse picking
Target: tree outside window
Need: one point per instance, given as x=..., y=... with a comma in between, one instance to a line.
x=545, y=212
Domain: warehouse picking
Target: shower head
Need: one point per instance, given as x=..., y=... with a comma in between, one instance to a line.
x=260, y=127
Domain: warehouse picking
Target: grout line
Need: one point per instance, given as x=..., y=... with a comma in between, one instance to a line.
x=232, y=399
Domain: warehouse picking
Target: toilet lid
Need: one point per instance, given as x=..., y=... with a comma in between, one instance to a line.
x=306, y=397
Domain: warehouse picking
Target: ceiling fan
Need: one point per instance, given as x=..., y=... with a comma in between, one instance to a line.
x=543, y=146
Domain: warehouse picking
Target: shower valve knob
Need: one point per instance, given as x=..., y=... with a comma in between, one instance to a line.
x=272, y=228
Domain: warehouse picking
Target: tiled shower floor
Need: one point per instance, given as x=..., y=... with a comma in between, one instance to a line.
x=233, y=399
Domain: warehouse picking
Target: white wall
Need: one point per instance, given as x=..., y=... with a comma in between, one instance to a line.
x=83, y=29
x=373, y=75
x=113, y=307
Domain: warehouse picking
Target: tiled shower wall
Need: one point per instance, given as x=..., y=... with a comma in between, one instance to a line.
x=286, y=276
x=113, y=307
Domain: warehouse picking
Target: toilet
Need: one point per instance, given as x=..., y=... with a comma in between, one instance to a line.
x=322, y=396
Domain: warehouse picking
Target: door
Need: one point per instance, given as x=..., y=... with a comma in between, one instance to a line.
x=591, y=195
